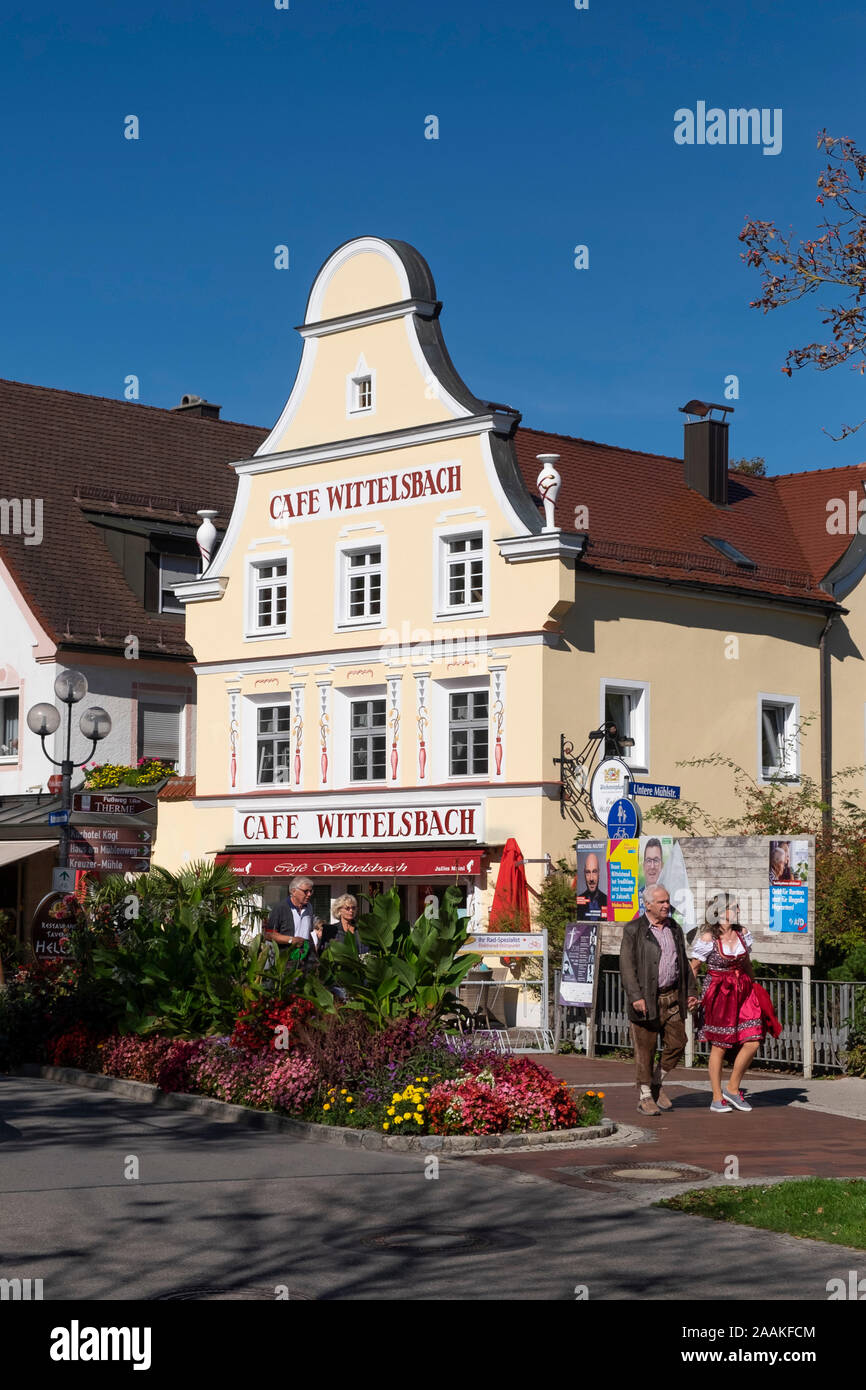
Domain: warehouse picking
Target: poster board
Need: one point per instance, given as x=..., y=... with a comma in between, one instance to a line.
x=780, y=915
x=577, y=985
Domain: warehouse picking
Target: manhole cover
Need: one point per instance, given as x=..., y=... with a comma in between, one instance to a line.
x=648, y=1174
x=642, y=1172
x=415, y=1241
x=427, y=1242
x=217, y=1295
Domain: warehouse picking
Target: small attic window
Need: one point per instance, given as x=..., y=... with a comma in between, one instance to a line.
x=731, y=552
x=362, y=393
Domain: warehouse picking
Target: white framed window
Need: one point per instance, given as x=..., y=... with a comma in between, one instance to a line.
x=361, y=389
x=360, y=584
x=273, y=744
x=461, y=560
x=368, y=740
x=468, y=733
x=9, y=726
x=458, y=739
x=268, y=596
x=174, y=569
x=159, y=727
x=626, y=704
x=778, y=737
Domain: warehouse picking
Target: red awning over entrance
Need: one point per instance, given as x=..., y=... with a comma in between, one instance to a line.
x=375, y=863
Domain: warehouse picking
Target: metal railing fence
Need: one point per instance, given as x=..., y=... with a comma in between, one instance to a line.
x=833, y=1003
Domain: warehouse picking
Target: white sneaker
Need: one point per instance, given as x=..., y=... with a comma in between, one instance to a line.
x=719, y=1107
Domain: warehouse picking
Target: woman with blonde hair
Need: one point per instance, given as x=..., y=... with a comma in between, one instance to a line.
x=737, y=1011
x=345, y=910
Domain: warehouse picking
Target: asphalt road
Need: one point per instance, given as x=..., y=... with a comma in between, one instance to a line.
x=216, y=1206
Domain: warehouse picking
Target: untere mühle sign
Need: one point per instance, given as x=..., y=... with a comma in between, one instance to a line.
x=359, y=825
x=359, y=494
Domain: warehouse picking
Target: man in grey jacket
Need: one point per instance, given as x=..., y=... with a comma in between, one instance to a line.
x=655, y=973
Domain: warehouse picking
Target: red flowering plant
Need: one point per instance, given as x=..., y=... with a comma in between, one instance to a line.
x=496, y=1093
x=272, y=1024
x=78, y=1046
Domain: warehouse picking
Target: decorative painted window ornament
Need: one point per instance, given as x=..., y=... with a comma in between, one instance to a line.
x=548, y=482
x=206, y=536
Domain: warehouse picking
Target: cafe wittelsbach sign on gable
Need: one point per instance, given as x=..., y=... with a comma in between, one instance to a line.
x=354, y=494
x=389, y=499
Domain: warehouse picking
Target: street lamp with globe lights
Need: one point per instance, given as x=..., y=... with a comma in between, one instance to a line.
x=95, y=723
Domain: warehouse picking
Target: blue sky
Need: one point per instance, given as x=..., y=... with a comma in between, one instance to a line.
x=306, y=127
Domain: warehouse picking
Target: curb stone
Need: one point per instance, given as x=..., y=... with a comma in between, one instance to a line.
x=209, y=1108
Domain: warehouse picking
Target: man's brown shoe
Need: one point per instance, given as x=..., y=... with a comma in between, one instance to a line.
x=662, y=1101
x=647, y=1106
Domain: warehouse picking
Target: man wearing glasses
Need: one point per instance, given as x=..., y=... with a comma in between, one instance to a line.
x=291, y=922
x=656, y=978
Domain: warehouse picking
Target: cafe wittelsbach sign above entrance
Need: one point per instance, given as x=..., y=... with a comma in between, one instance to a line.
x=360, y=825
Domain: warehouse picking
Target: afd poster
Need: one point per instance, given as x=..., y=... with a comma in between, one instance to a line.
x=789, y=885
x=623, y=867
x=578, y=964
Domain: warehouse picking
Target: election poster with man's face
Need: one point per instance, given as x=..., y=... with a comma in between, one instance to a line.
x=661, y=862
x=591, y=881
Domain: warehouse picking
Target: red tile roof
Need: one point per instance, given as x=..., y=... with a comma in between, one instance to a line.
x=645, y=522
x=178, y=789
x=804, y=497
x=91, y=453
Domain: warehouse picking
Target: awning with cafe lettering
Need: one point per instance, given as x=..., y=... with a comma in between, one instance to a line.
x=373, y=864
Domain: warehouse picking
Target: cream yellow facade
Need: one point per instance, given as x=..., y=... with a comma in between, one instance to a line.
x=388, y=509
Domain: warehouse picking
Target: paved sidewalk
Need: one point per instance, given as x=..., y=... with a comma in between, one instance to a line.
x=796, y=1128
x=217, y=1207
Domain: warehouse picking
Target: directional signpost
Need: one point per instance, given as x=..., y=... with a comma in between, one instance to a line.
x=661, y=791
x=110, y=848
x=111, y=804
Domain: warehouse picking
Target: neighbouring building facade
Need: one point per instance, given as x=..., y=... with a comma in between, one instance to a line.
x=408, y=613
x=99, y=521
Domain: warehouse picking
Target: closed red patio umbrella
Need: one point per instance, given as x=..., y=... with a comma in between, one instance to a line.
x=511, y=896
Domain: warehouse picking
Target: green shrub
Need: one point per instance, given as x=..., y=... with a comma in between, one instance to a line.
x=408, y=969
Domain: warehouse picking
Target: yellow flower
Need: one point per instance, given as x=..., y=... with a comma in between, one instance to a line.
x=326, y=1107
x=408, y=1115
x=601, y=1095
x=425, y=1078
x=420, y=1119
x=343, y=1092
x=399, y=1120
x=396, y=1096
x=386, y=1125
x=590, y=1093
x=348, y=1100
x=352, y=1111
x=391, y=1110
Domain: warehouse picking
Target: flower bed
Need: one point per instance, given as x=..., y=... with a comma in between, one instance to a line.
x=466, y=1094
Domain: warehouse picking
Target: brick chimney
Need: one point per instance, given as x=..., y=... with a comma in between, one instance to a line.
x=705, y=451
x=195, y=405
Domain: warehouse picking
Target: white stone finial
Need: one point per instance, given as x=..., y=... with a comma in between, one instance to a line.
x=548, y=483
x=206, y=536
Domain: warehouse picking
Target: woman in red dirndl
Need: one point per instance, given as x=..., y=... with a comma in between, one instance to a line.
x=737, y=1011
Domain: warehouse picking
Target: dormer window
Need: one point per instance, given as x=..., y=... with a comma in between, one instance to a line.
x=175, y=569
x=361, y=389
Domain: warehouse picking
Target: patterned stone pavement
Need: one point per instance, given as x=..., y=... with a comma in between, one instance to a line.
x=784, y=1135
